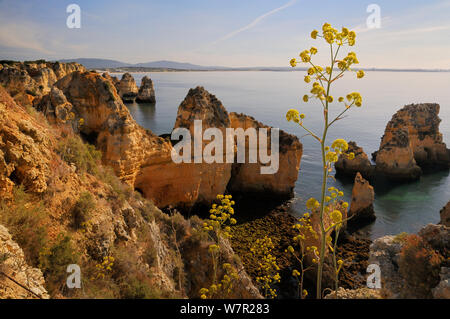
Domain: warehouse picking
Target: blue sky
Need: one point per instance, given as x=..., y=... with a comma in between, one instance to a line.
x=413, y=34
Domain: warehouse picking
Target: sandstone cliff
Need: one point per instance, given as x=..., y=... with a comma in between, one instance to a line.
x=151, y=250
x=25, y=81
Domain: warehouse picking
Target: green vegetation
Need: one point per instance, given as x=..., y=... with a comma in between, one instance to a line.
x=82, y=209
x=53, y=262
x=25, y=221
x=85, y=156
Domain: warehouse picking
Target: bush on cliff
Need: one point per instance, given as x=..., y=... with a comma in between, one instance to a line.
x=85, y=156
x=25, y=220
x=82, y=209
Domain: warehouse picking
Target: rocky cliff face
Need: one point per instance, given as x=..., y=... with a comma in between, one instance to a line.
x=17, y=279
x=361, y=208
x=360, y=163
x=26, y=81
x=24, y=149
x=146, y=243
x=127, y=88
x=146, y=92
x=412, y=140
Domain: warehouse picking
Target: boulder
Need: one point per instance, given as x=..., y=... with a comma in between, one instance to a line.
x=445, y=215
x=361, y=210
x=146, y=92
x=349, y=167
x=127, y=88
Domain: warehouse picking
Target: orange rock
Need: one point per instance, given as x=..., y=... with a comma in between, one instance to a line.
x=361, y=163
x=361, y=208
x=412, y=140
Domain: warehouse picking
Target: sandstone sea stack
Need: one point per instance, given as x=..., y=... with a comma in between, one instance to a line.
x=412, y=141
x=361, y=210
x=350, y=167
x=127, y=88
x=146, y=92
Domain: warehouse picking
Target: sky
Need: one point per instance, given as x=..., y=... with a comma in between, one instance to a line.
x=233, y=33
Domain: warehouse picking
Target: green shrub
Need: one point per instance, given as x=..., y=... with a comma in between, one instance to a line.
x=54, y=260
x=25, y=221
x=82, y=209
x=85, y=156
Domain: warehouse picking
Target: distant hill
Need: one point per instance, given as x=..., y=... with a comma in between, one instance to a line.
x=176, y=65
x=97, y=63
x=105, y=63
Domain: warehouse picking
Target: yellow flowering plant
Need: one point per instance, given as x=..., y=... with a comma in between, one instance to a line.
x=268, y=269
x=323, y=78
x=217, y=226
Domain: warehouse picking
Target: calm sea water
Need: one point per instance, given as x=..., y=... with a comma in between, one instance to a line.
x=268, y=95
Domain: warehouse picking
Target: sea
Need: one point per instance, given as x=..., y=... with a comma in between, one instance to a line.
x=268, y=95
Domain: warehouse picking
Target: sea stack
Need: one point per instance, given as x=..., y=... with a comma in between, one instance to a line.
x=127, y=88
x=350, y=167
x=146, y=92
x=412, y=141
x=361, y=210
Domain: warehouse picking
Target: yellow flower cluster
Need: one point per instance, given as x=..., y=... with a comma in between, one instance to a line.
x=293, y=115
x=220, y=216
x=104, y=267
x=268, y=269
x=355, y=97
x=224, y=287
x=348, y=61
x=339, y=146
x=332, y=35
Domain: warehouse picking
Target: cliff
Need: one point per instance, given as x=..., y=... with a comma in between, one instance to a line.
x=61, y=206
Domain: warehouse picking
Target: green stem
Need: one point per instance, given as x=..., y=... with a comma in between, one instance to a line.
x=324, y=185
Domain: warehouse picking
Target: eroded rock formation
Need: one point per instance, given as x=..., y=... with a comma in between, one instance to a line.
x=146, y=92
x=361, y=208
x=361, y=163
x=412, y=141
x=24, y=149
x=247, y=178
x=127, y=88
x=25, y=81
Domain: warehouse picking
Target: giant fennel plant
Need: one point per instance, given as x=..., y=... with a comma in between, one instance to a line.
x=328, y=210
